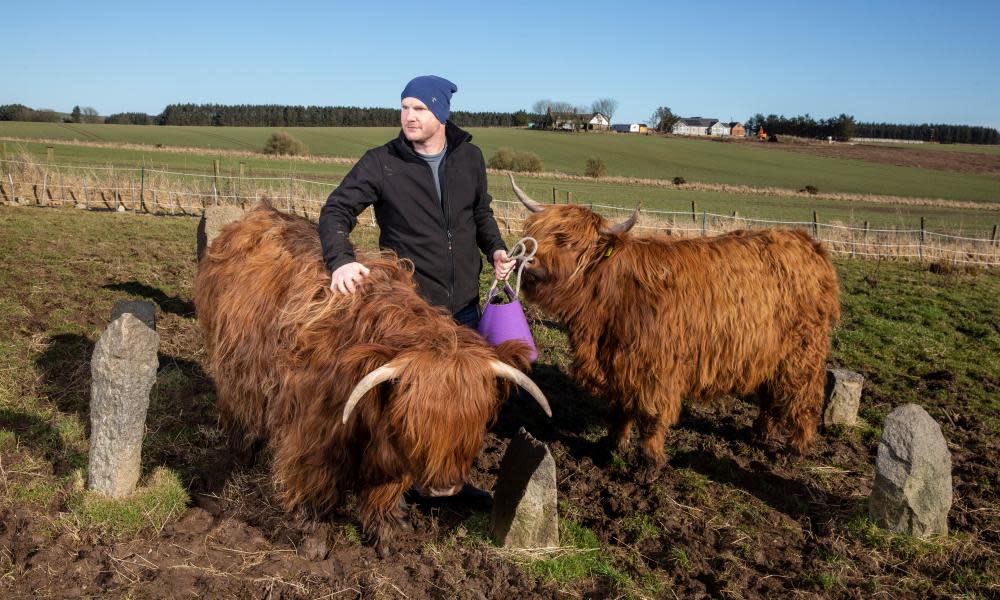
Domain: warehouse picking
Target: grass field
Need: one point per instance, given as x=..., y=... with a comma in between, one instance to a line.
x=706, y=527
x=632, y=156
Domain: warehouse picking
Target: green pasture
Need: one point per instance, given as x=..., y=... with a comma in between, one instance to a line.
x=625, y=155
x=599, y=193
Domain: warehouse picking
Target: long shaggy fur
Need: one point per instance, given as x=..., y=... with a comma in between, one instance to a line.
x=286, y=352
x=653, y=320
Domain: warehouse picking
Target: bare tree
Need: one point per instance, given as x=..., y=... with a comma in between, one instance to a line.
x=605, y=106
x=541, y=107
x=89, y=115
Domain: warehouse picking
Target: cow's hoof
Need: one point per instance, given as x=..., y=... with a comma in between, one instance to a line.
x=647, y=474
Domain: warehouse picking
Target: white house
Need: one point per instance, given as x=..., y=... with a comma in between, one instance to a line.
x=719, y=128
x=598, y=121
x=693, y=126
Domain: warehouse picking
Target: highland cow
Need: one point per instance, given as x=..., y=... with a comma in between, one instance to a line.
x=654, y=320
x=299, y=366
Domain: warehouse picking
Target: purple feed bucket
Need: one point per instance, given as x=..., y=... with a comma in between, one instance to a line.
x=503, y=322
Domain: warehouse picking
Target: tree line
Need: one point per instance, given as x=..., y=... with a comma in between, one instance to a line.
x=276, y=115
x=843, y=127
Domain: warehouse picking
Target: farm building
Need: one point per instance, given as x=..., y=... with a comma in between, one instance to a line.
x=572, y=121
x=712, y=127
x=629, y=127
x=719, y=129
x=693, y=126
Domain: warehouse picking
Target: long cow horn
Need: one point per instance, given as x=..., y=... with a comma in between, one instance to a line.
x=508, y=372
x=620, y=228
x=525, y=200
x=384, y=373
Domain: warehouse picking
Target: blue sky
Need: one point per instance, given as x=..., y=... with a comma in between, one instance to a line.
x=916, y=61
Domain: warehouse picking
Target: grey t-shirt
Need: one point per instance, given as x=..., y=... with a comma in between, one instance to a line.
x=434, y=161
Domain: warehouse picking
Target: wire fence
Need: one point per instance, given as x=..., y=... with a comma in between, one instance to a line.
x=159, y=191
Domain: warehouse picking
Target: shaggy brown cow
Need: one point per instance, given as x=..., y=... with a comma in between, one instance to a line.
x=292, y=360
x=654, y=320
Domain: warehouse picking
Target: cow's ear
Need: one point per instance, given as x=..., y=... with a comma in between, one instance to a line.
x=516, y=354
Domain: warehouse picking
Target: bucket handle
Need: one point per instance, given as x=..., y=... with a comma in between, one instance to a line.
x=518, y=252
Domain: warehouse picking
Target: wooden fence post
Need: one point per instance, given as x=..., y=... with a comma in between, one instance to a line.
x=215, y=183
x=993, y=238
x=569, y=197
x=920, y=248
x=142, y=188
x=45, y=182
x=704, y=221
x=815, y=225
x=289, y=195
x=553, y=195
x=86, y=194
x=694, y=212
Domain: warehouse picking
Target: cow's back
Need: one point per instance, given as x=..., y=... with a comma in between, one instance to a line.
x=721, y=313
x=242, y=286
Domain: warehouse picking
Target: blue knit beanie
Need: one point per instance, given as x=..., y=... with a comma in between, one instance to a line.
x=433, y=91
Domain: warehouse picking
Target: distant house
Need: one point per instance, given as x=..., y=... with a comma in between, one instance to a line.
x=693, y=126
x=599, y=122
x=719, y=129
x=629, y=127
x=703, y=126
x=572, y=121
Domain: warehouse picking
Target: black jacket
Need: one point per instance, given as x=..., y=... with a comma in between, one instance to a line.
x=441, y=238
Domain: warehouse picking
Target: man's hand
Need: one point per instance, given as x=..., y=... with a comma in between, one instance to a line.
x=503, y=264
x=347, y=277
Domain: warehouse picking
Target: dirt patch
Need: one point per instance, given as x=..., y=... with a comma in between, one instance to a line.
x=959, y=162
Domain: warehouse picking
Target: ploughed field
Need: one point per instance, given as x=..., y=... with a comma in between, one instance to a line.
x=728, y=517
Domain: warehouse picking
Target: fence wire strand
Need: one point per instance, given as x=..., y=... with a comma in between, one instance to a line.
x=164, y=191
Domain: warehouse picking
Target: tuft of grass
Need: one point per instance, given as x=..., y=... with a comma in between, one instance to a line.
x=679, y=557
x=148, y=509
x=582, y=558
x=641, y=526
x=863, y=529
x=350, y=534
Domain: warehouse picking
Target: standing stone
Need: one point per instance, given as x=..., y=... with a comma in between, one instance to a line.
x=843, y=397
x=912, y=492
x=140, y=309
x=213, y=218
x=123, y=370
x=524, y=500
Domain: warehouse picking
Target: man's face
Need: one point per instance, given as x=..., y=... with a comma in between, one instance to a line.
x=418, y=122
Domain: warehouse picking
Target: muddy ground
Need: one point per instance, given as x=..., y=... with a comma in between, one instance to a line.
x=727, y=517
x=910, y=156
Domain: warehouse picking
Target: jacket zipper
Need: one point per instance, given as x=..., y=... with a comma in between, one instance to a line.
x=447, y=227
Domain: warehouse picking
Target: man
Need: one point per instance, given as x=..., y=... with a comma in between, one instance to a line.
x=428, y=188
